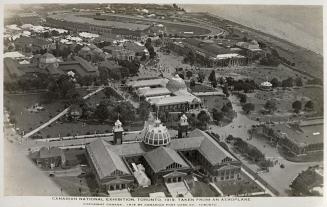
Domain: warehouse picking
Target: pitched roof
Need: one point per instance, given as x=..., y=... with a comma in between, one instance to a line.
x=160, y=158
x=105, y=160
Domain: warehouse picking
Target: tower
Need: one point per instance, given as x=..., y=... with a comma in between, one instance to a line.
x=118, y=132
x=182, y=126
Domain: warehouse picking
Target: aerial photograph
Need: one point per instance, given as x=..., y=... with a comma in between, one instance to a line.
x=163, y=100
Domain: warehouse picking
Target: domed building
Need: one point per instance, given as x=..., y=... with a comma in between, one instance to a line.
x=48, y=61
x=156, y=134
x=176, y=83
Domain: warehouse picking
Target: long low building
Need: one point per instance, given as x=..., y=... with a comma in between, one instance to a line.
x=96, y=24
x=209, y=54
x=166, y=94
x=303, y=139
x=47, y=63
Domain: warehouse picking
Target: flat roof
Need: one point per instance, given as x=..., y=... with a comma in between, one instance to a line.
x=180, y=98
x=79, y=18
x=14, y=54
x=148, y=83
x=229, y=55
x=205, y=47
x=147, y=92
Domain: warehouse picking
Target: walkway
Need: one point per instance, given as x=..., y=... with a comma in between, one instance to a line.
x=217, y=189
x=59, y=115
x=179, y=188
x=257, y=182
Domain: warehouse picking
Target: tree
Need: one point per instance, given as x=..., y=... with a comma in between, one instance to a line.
x=126, y=112
x=243, y=98
x=212, y=76
x=201, y=76
x=225, y=91
x=101, y=111
x=192, y=83
x=248, y=107
x=226, y=108
x=309, y=106
x=270, y=105
x=191, y=57
x=203, y=118
x=189, y=74
x=287, y=82
x=275, y=82
x=214, y=83
x=144, y=110
x=298, y=82
x=152, y=53
x=297, y=106
x=217, y=115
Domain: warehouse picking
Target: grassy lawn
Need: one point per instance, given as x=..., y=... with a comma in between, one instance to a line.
x=200, y=189
x=78, y=128
x=316, y=95
x=144, y=192
x=71, y=185
x=26, y=121
x=284, y=100
x=235, y=187
x=179, y=29
x=212, y=102
x=18, y=106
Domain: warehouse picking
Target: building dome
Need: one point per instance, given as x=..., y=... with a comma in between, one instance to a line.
x=48, y=58
x=156, y=134
x=49, y=61
x=176, y=84
x=97, y=50
x=85, y=49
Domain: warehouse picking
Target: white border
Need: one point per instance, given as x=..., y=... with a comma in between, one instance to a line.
x=33, y=201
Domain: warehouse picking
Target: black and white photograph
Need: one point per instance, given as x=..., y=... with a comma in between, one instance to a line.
x=167, y=100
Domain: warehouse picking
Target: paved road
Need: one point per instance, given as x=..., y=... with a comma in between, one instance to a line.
x=58, y=115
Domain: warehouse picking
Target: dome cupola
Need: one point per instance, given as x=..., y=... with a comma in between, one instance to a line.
x=176, y=84
x=156, y=134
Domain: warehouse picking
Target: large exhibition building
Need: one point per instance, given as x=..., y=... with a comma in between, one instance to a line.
x=158, y=158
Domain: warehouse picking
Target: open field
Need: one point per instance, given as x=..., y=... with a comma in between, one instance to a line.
x=171, y=27
x=73, y=186
x=212, y=102
x=236, y=187
x=200, y=189
x=18, y=106
x=259, y=73
x=285, y=98
x=144, y=192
